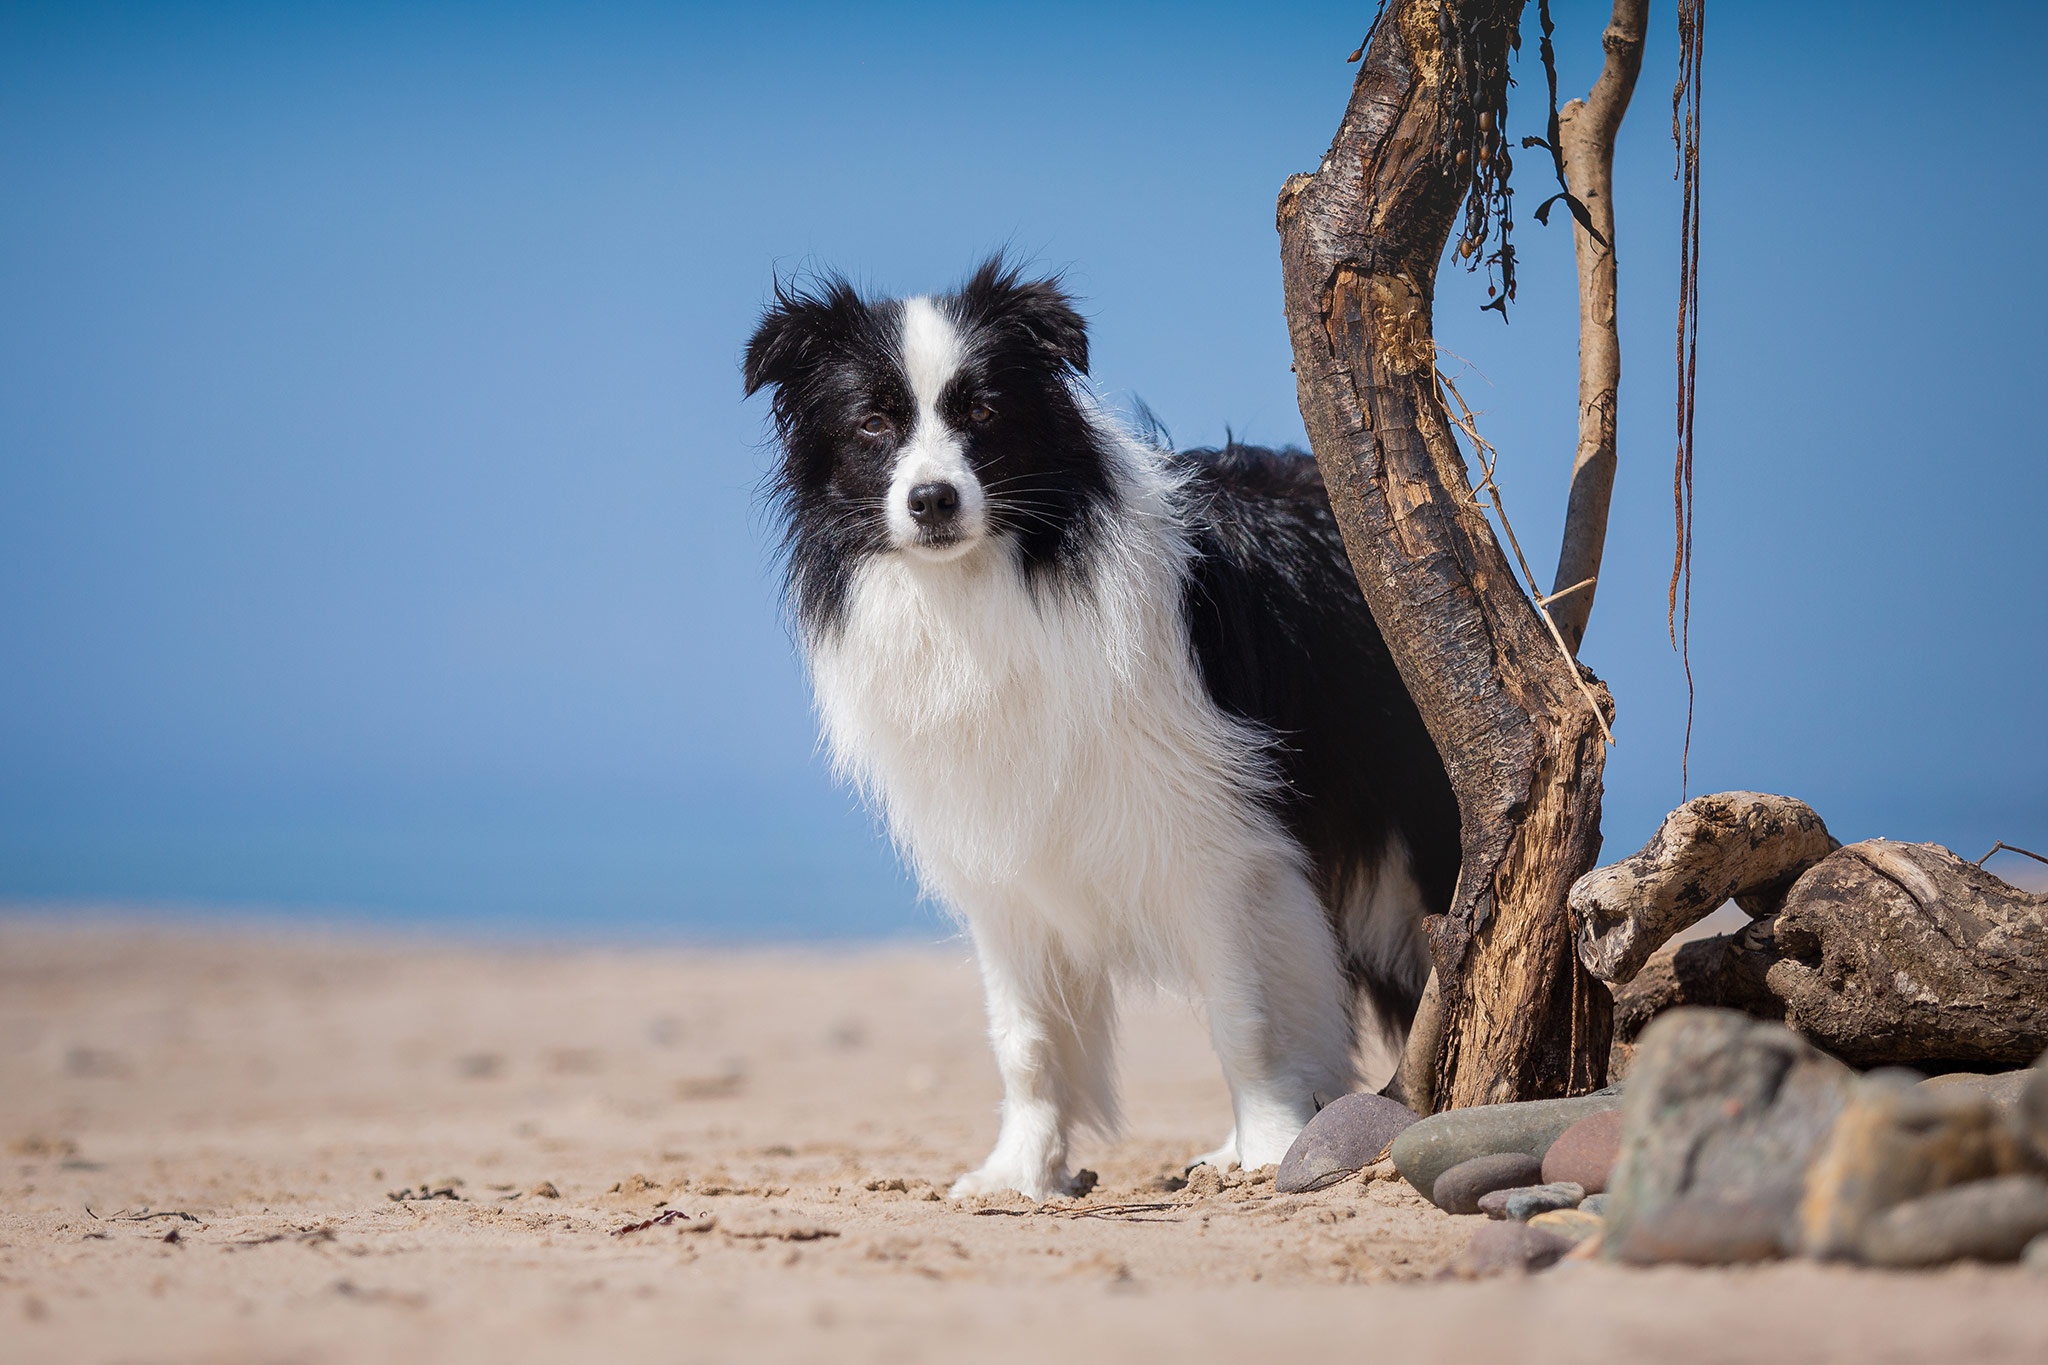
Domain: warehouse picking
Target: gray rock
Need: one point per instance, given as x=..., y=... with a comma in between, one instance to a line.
x=1724, y=1114
x=1702, y=1228
x=1991, y=1220
x=1429, y=1148
x=2001, y=1090
x=2032, y=1110
x=1521, y=1204
x=1350, y=1133
x=1595, y=1204
x=1500, y=1248
x=1460, y=1189
x=2035, y=1256
x=1899, y=1139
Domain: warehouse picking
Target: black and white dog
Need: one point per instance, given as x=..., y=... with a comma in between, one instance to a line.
x=1124, y=708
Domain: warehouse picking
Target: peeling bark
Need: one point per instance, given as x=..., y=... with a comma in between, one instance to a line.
x=1360, y=244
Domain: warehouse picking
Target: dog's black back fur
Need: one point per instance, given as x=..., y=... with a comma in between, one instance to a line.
x=1284, y=638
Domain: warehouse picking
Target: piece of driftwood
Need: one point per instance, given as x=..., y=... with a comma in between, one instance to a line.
x=1906, y=954
x=1586, y=130
x=1747, y=845
x=1360, y=242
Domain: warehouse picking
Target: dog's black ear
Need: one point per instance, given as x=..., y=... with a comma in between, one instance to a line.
x=1040, y=310
x=798, y=331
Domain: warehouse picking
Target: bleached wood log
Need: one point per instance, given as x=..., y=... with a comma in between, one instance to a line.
x=1904, y=954
x=1747, y=845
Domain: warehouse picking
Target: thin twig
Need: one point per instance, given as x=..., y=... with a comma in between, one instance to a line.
x=1487, y=457
x=1567, y=592
x=672, y=1216
x=2009, y=848
x=1097, y=1211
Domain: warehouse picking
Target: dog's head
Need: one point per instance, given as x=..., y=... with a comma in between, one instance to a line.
x=929, y=426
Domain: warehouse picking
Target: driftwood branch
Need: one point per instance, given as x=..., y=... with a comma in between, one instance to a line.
x=1586, y=130
x=1746, y=845
x=1905, y=954
x=1884, y=954
x=1360, y=244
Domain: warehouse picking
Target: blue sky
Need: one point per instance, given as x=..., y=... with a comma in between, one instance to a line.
x=378, y=529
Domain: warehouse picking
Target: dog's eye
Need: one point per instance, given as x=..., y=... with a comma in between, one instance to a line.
x=981, y=414
x=876, y=425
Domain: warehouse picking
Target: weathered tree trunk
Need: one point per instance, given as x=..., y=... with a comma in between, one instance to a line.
x=1586, y=130
x=1360, y=244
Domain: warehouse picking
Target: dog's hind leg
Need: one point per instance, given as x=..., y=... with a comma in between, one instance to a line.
x=1278, y=1005
x=1053, y=1026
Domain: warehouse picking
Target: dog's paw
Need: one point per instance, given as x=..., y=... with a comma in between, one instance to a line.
x=1223, y=1158
x=1037, y=1186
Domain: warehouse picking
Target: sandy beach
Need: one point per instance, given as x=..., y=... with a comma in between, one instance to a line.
x=205, y=1130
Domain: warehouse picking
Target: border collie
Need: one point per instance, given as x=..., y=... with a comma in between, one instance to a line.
x=1124, y=708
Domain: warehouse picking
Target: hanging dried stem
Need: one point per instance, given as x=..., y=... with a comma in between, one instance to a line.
x=1685, y=132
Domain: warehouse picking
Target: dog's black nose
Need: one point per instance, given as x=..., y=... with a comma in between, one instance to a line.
x=934, y=504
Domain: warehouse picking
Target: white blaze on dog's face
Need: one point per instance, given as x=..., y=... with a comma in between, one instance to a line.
x=937, y=508
x=928, y=427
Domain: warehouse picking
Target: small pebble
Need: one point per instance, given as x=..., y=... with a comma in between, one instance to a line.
x=1500, y=1248
x=1584, y=1153
x=1459, y=1189
x=1349, y=1134
x=2035, y=1257
x=1595, y=1204
x=1574, y=1225
x=1987, y=1220
x=1521, y=1204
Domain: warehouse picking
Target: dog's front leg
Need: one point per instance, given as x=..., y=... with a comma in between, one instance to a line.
x=1277, y=1003
x=1052, y=1027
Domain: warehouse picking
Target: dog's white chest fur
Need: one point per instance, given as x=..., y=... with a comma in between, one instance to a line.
x=1046, y=756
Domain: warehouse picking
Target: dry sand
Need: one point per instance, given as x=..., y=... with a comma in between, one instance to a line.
x=262, y=1096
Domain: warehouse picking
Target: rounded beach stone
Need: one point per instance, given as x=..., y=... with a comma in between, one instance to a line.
x=1347, y=1136
x=1459, y=1189
x=1990, y=1220
x=1585, y=1152
x=2035, y=1257
x=1496, y=1248
x=1521, y=1204
x=1427, y=1149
